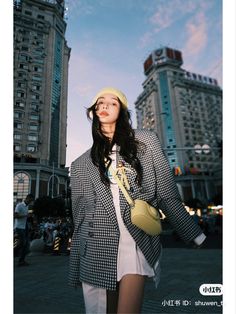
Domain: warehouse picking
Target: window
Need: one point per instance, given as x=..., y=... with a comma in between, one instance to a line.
x=36, y=87
x=21, y=186
x=39, y=35
x=20, y=94
x=31, y=148
x=17, y=136
x=20, y=84
x=38, y=60
x=40, y=17
x=36, y=78
x=37, y=69
x=33, y=127
x=34, y=117
x=34, y=106
x=17, y=147
x=18, y=125
x=32, y=137
x=21, y=74
x=23, y=57
x=28, y=12
x=23, y=66
x=34, y=96
x=20, y=104
x=40, y=25
x=25, y=40
x=29, y=23
x=18, y=115
x=25, y=48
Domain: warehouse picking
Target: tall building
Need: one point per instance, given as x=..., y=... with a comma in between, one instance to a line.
x=185, y=110
x=41, y=58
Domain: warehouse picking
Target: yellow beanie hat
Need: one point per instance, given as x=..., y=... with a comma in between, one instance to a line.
x=113, y=91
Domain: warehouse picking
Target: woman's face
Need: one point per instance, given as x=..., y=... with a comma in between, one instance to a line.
x=107, y=109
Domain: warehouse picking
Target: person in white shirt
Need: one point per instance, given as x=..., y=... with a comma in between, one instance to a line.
x=109, y=255
x=21, y=228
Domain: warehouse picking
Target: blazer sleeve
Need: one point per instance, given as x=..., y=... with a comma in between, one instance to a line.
x=169, y=199
x=77, y=193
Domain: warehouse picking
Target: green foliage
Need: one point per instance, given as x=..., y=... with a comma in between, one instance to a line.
x=195, y=203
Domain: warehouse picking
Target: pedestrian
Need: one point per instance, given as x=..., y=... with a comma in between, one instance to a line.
x=22, y=229
x=110, y=256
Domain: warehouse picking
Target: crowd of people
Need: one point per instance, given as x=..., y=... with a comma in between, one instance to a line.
x=48, y=229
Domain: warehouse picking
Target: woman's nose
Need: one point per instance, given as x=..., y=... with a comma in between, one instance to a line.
x=105, y=105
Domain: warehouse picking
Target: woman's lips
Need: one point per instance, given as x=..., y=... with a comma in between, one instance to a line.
x=104, y=114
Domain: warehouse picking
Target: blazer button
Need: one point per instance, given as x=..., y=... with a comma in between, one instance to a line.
x=91, y=234
x=90, y=223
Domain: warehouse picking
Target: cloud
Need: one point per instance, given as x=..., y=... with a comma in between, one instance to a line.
x=78, y=7
x=167, y=13
x=196, y=30
x=146, y=39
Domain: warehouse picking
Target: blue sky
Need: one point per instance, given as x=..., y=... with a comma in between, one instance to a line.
x=110, y=40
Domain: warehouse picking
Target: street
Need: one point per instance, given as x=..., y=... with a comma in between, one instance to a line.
x=42, y=286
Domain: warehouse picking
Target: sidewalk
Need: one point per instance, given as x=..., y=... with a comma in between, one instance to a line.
x=42, y=287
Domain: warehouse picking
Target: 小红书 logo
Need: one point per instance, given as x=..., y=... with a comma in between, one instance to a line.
x=211, y=289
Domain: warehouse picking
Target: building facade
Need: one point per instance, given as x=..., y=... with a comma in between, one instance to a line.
x=41, y=59
x=185, y=110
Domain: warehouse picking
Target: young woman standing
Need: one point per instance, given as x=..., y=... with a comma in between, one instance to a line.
x=110, y=256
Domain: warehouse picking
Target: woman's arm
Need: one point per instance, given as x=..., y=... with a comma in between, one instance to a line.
x=169, y=198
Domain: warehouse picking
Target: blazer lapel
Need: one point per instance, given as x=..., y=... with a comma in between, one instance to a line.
x=103, y=191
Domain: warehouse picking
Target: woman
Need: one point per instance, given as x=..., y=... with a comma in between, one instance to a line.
x=109, y=255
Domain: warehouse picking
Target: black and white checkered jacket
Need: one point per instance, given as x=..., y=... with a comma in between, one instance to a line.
x=94, y=249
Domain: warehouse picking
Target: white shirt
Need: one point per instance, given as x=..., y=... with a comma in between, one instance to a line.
x=130, y=258
x=22, y=210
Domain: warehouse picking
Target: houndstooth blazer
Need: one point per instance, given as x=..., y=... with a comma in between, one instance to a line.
x=94, y=249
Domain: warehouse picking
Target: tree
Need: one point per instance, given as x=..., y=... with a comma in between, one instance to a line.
x=47, y=206
x=195, y=203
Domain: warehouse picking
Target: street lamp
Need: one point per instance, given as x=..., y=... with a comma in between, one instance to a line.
x=204, y=148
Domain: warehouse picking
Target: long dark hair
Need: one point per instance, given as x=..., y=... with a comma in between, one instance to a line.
x=124, y=137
